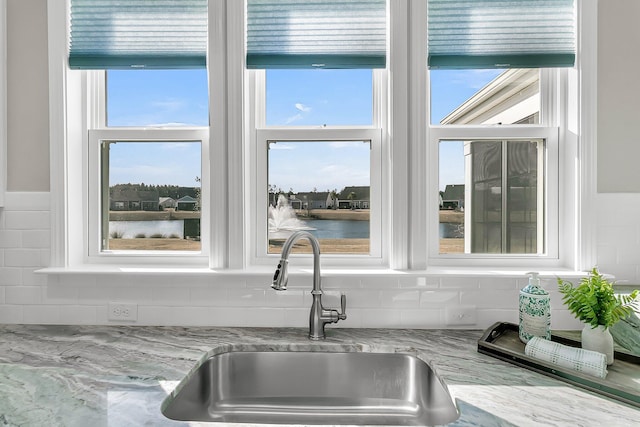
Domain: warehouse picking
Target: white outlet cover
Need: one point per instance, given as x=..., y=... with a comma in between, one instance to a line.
x=122, y=312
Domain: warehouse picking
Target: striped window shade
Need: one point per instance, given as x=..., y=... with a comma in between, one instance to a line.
x=156, y=34
x=316, y=34
x=501, y=33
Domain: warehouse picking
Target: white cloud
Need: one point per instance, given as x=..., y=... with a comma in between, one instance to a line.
x=169, y=104
x=346, y=144
x=292, y=119
x=303, y=108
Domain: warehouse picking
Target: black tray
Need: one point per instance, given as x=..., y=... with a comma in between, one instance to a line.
x=621, y=383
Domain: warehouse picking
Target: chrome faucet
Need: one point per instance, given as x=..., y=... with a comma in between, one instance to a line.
x=319, y=316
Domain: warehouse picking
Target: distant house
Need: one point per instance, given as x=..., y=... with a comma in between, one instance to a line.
x=453, y=197
x=313, y=200
x=131, y=199
x=356, y=197
x=186, y=203
x=168, y=203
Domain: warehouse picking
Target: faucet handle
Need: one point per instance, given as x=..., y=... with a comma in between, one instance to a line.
x=343, y=307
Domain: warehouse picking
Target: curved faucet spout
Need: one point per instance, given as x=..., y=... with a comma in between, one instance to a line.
x=319, y=316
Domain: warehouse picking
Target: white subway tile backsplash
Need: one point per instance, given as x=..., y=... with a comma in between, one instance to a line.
x=27, y=220
x=381, y=318
x=355, y=299
x=36, y=239
x=10, y=238
x=389, y=301
x=491, y=299
x=42, y=314
x=499, y=283
x=341, y=283
x=422, y=318
x=62, y=294
x=10, y=276
x=23, y=258
x=171, y=296
x=439, y=298
x=79, y=314
x=288, y=298
x=400, y=298
x=460, y=282
x=246, y=297
x=419, y=282
x=31, y=278
x=11, y=313
x=487, y=317
x=209, y=296
x=25, y=295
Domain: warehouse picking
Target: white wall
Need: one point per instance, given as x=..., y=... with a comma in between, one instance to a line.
x=247, y=300
x=618, y=96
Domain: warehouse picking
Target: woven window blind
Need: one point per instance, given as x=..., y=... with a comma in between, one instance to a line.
x=116, y=34
x=312, y=34
x=501, y=33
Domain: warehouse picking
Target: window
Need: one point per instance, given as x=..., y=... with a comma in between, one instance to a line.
x=501, y=212
x=153, y=195
x=318, y=123
x=318, y=184
x=152, y=199
x=425, y=152
x=147, y=104
x=337, y=214
x=497, y=185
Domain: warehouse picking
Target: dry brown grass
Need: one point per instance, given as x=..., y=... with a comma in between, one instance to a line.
x=327, y=246
x=160, y=244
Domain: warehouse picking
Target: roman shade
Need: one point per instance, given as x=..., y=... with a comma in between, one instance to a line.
x=312, y=34
x=501, y=33
x=115, y=34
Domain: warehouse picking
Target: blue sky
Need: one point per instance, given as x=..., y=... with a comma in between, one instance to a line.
x=294, y=98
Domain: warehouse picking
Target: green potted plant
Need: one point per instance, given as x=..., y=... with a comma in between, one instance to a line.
x=594, y=302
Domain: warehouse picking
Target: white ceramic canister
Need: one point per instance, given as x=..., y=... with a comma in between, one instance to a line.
x=534, y=310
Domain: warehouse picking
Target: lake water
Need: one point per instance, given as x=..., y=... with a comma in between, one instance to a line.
x=451, y=231
x=323, y=229
x=338, y=229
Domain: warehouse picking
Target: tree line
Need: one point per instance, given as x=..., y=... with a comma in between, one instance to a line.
x=173, y=191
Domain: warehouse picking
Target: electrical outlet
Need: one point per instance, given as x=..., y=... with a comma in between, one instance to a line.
x=123, y=312
x=460, y=315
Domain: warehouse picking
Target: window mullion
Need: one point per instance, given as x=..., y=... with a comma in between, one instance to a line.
x=505, y=195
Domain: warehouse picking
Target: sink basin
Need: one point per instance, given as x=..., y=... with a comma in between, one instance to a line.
x=288, y=387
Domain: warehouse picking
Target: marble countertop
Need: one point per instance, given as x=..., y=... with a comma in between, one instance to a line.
x=119, y=375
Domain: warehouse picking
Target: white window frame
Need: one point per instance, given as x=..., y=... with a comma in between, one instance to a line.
x=549, y=205
x=95, y=197
x=558, y=112
x=261, y=135
x=405, y=149
x=78, y=123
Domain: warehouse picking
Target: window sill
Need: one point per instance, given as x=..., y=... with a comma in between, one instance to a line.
x=185, y=271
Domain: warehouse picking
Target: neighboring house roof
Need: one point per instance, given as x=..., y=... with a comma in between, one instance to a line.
x=166, y=199
x=453, y=192
x=361, y=192
x=186, y=199
x=509, y=98
x=313, y=196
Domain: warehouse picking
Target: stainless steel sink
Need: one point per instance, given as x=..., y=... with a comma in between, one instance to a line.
x=274, y=387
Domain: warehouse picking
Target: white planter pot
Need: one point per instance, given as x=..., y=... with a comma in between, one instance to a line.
x=598, y=339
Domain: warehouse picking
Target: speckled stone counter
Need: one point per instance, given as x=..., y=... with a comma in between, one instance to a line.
x=119, y=375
